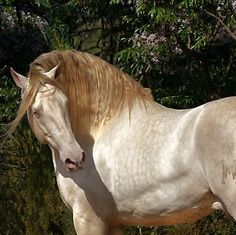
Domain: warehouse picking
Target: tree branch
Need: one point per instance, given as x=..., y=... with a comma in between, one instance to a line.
x=223, y=24
x=28, y=7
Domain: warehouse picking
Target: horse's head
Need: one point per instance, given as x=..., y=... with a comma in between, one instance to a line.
x=49, y=119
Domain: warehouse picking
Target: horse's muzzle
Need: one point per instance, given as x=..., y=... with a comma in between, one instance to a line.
x=74, y=165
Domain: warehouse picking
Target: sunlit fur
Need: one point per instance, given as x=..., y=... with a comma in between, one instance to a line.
x=95, y=89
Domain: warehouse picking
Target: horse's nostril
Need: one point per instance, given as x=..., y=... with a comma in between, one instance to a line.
x=68, y=161
x=83, y=157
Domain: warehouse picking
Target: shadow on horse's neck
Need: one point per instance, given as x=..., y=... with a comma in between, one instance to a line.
x=89, y=180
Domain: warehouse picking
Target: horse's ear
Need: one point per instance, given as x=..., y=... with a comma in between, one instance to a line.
x=19, y=79
x=54, y=72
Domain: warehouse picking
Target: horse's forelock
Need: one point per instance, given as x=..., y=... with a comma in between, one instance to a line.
x=36, y=80
x=27, y=101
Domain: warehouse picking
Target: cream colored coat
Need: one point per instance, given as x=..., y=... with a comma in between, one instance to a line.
x=153, y=166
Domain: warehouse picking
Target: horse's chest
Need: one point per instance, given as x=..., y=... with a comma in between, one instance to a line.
x=68, y=191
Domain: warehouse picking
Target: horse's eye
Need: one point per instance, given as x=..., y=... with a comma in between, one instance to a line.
x=36, y=114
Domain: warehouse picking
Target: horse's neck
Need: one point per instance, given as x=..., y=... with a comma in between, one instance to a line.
x=126, y=117
x=88, y=136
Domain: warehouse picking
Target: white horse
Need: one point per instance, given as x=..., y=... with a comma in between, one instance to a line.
x=119, y=157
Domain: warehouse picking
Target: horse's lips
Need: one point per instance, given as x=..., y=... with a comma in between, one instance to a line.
x=73, y=167
x=72, y=161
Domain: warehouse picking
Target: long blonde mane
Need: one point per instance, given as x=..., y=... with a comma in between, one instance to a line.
x=96, y=90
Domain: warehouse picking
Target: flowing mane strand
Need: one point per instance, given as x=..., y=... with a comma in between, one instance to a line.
x=95, y=89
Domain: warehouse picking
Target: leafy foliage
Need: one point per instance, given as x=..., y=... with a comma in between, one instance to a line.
x=30, y=205
x=181, y=51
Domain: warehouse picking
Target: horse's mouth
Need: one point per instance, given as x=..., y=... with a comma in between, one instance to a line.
x=73, y=166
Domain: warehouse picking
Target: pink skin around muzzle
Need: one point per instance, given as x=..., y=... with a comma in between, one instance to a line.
x=73, y=156
x=72, y=164
x=70, y=152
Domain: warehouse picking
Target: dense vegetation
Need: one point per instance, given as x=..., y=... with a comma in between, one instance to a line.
x=184, y=50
